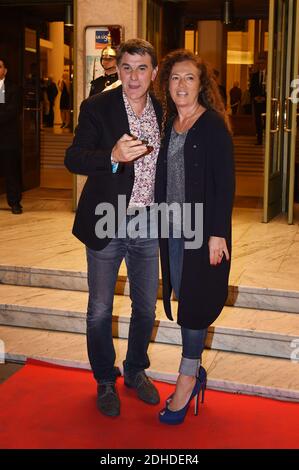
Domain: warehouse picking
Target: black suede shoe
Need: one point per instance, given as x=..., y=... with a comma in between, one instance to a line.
x=145, y=389
x=16, y=209
x=117, y=371
x=108, y=402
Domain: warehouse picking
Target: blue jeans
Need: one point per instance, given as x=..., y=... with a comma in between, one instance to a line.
x=141, y=257
x=193, y=341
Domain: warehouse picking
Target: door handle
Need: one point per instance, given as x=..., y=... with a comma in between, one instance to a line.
x=286, y=113
x=31, y=109
x=275, y=105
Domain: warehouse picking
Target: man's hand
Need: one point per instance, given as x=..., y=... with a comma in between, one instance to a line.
x=217, y=248
x=128, y=149
x=259, y=99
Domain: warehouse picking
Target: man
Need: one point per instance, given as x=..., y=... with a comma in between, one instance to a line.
x=106, y=149
x=9, y=139
x=258, y=95
x=235, y=94
x=52, y=92
x=108, y=61
x=221, y=88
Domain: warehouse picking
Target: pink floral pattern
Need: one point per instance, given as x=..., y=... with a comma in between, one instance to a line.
x=144, y=127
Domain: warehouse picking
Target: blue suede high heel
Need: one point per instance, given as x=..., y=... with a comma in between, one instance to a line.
x=202, y=376
x=167, y=416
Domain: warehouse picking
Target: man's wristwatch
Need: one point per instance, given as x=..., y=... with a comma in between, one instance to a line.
x=114, y=165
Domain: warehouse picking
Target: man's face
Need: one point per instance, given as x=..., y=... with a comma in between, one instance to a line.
x=261, y=65
x=109, y=63
x=136, y=73
x=3, y=70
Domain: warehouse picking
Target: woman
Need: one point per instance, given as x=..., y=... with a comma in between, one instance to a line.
x=195, y=165
x=65, y=100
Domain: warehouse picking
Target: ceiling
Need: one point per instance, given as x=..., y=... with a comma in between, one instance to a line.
x=203, y=9
x=212, y=9
x=45, y=10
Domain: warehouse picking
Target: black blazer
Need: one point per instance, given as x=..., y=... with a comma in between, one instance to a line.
x=102, y=121
x=209, y=179
x=256, y=87
x=10, y=117
x=100, y=83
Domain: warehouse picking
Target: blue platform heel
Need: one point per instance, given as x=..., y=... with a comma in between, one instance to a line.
x=167, y=416
x=202, y=376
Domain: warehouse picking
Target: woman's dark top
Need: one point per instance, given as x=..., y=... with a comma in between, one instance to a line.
x=65, y=97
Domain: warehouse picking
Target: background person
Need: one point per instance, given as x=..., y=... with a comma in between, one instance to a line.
x=10, y=138
x=246, y=102
x=235, y=94
x=65, y=100
x=52, y=92
x=221, y=87
x=108, y=62
x=258, y=95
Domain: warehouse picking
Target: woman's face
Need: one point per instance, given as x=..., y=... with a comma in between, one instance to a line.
x=184, y=83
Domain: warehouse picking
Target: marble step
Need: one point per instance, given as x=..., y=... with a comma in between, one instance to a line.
x=269, y=291
x=230, y=372
x=250, y=331
x=58, y=278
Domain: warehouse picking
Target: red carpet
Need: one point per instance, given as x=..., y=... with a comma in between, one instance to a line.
x=44, y=406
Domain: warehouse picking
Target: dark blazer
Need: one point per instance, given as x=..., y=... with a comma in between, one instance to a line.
x=256, y=87
x=209, y=178
x=100, y=83
x=102, y=121
x=10, y=117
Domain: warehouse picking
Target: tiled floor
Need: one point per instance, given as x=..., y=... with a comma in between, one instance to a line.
x=263, y=254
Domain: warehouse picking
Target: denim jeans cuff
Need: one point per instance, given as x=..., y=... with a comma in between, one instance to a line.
x=189, y=366
x=106, y=382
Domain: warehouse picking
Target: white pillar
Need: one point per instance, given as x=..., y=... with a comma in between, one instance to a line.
x=210, y=44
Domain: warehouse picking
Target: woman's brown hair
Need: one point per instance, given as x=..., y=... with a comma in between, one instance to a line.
x=209, y=95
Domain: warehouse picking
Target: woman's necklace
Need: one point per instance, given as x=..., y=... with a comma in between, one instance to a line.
x=187, y=122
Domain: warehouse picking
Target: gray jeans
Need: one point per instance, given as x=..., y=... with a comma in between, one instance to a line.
x=141, y=257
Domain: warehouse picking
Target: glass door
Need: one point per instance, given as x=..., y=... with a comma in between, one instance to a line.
x=273, y=170
x=31, y=107
x=280, y=135
x=290, y=118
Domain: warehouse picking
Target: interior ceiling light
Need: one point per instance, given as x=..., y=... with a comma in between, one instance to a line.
x=227, y=12
x=68, y=20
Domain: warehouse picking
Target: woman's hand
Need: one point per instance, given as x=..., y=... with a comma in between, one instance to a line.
x=217, y=249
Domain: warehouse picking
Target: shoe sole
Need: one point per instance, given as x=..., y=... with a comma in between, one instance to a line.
x=112, y=415
x=109, y=415
x=172, y=423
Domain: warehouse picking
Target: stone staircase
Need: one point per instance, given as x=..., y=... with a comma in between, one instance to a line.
x=253, y=347
x=249, y=162
x=52, y=151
